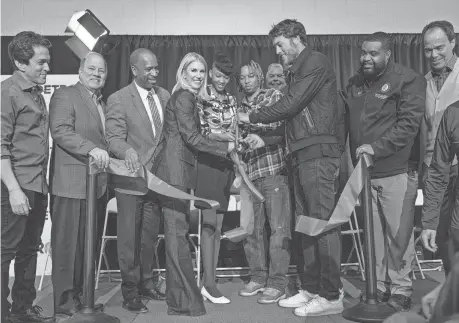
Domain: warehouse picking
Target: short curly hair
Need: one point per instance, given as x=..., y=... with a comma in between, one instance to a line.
x=385, y=39
x=21, y=48
x=289, y=28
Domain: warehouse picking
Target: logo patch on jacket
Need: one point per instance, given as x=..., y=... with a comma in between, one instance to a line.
x=381, y=96
x=385, y=88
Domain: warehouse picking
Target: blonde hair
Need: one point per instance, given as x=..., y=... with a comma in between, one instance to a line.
x=182, y=84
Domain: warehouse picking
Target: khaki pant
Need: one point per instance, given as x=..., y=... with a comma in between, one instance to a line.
x=393, y=231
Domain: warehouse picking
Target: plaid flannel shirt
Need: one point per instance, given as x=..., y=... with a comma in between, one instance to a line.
x=267, y=160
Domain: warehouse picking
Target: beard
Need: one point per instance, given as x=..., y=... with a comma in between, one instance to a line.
x=375, y=71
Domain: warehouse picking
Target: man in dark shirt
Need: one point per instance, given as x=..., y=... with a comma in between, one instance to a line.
x=310, y=109
x=445, y=151
x=386, y=104
x=24, y=159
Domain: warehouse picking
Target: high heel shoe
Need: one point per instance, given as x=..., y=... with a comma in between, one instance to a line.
x=216, y=300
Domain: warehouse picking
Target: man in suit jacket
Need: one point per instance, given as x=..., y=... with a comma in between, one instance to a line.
x=77, y=128
x=134, y=124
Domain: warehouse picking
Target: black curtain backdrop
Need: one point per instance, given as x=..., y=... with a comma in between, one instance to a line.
x=343, y=51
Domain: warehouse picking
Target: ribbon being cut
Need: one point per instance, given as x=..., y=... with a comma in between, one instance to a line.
x=142, y=181
x=346, y=203
x=246, y=213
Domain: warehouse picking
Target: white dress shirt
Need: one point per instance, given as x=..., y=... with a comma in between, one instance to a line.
x=143, y=95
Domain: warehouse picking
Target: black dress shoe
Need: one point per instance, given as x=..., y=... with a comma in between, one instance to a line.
x=31, y=315
x=400, y=303
x=135, y=305
x=152, y=294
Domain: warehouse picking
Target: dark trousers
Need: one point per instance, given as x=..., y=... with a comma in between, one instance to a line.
x=68, y=235
x=315, y=187
x=138, y=225
x=183, y=294
x=444, y=224
x=21, y=239
x=278, y=212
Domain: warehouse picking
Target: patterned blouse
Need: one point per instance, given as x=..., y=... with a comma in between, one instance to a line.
x=217, y=116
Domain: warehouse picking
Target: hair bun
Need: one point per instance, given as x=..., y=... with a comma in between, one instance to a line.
x=223, y=63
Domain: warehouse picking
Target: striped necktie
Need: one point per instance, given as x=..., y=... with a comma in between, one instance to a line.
x=154, y=113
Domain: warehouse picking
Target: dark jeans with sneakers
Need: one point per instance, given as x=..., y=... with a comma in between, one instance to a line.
x=21, y=239
x=277, y=209
x=315, y=186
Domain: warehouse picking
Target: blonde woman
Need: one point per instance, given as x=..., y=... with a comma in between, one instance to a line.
x=178, y=167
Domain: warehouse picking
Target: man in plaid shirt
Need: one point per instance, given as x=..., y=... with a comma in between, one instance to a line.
x=267, y=170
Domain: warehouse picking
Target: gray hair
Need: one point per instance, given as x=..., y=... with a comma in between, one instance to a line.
x=273, y=65
x=83, y=61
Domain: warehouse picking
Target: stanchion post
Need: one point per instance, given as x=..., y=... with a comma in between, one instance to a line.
x=370, y=309
x=370, y=259
x=89, y=244
x=89, y=314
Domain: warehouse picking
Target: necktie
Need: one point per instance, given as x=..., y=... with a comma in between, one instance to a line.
x=101, y=113
x=96, y=100
x=154, y=113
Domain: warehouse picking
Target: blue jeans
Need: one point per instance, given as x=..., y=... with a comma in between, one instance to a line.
x=277, y=209
x=315, y=194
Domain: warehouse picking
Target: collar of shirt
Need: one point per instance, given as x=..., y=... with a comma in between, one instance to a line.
x=24, y=84
x=449, y=66
x=253, y=102
x=144, y=92
x=96, y=96
x=213, y=93
x=300, y=59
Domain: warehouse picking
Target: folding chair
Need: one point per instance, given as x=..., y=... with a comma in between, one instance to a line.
x=111, y=209
x=357, y=247
x=425, y=265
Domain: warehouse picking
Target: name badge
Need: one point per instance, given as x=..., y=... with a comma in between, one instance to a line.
x=381, y=96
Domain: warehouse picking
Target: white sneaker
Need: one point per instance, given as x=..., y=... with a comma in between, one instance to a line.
x=298, y=300
x=320, y=306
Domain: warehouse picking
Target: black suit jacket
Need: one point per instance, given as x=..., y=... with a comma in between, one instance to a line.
x=178, y=161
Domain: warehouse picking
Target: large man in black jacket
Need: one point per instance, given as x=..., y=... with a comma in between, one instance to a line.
x=386, y=104
x=310, y=108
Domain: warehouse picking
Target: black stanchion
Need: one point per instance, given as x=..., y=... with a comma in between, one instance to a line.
x=89, y=314
x=369, y=309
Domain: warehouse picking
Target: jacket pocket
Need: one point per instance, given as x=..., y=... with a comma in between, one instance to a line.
x=309, y=120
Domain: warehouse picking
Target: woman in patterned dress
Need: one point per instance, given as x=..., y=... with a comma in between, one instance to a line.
x=215, y=174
